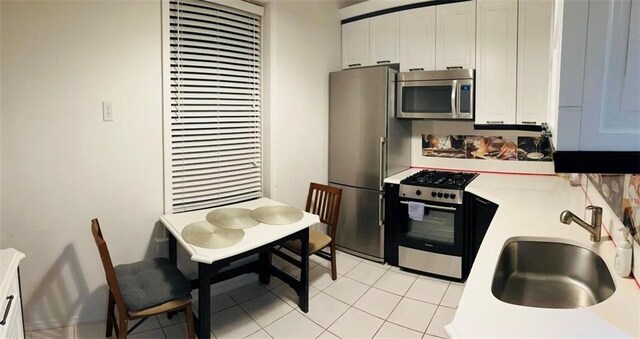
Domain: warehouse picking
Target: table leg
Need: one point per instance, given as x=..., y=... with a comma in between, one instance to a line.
x=303, y=294
x=204, y=301
x=173, y=249
x=265, y=267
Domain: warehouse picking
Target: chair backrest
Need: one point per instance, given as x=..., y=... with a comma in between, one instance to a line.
x=324, y=201
x=109, y=271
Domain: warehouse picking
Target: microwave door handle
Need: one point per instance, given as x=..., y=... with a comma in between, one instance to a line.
x=454, y=104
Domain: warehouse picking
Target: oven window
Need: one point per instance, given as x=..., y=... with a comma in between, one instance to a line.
x=426, y=99
x=435, y=228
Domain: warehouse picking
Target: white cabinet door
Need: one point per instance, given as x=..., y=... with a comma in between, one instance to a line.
x=418, y=39
x=384, y=39
x=355, y=44
x=496, y=61
x=456, y=35
x=611, y=98
x=534, y=60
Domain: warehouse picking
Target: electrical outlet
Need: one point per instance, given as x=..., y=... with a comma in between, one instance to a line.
x=107, y=111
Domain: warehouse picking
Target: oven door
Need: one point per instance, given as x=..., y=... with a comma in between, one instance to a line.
x=433, y=99
x=440, y=229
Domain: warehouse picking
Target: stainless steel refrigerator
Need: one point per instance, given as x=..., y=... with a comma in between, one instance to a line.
x=366, y=145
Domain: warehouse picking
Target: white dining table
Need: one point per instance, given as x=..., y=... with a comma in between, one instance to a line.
x=260, y=239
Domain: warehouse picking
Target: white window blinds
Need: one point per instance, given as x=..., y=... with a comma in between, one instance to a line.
x=215, y=127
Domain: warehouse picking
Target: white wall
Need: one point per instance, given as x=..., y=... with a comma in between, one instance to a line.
x=61, y=164
x=303, y=46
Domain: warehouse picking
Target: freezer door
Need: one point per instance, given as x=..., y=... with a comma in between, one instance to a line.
x=360, y=225
x=358, y=107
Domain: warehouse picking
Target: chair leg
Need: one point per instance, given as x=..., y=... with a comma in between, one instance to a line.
x=123, y=326
x=189, y=315
x=334, y=270
x=110, y=318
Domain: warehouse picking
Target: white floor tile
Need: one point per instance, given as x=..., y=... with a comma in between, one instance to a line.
x=344, y=262
x=325, y=310
x=413, y=314
x=153, y=334
x=452, y=296
x=382, y=265
x=356, y=324
x=328, y=335
x=273, y=283
x=347, y=290
x=378, y=302
x=366, y=273
x=151, y=323
x=443, y=316
x=91, y=330
x=218, y=302
x=400, y=270
x=395, y=282
x=178, y=331
x=289, y=295
x=428, y=289
x=320, y=277
x=232, y=323
x=266, y=308
x=262, y=334
x=429, y=336
x=294, y=325
x=176, y=319
x=247, y=292
x=390, y=330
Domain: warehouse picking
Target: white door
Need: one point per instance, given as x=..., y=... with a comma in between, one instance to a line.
x=355, y=44
x=496, y=62
x=385, y=36
x=418, y=39
x=611, y=99
x=534, y=60
x=456, y=35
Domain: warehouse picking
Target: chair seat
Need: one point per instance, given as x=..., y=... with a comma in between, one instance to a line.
x=150, y=283
x=317, y=241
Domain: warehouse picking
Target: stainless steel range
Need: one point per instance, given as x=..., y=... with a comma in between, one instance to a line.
x=431, y=237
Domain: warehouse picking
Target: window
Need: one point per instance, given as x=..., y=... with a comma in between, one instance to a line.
x=212, y=111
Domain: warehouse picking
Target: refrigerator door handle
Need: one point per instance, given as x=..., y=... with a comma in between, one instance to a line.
x=381, y=167
x=381, y=210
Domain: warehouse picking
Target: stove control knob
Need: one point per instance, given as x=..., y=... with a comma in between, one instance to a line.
x=418, y=192
x=446, y=195
x=452, y=196
x=439, y=194
x=433, y=194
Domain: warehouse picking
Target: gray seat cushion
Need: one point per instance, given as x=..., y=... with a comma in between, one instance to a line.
x=149, y=283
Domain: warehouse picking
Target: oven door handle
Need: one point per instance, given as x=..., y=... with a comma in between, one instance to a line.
x=432, y=206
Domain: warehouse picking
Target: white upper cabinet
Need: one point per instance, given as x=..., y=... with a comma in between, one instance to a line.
x=418, y=39
x=355, y=44
x=456, y=35
x=497, y=33
x=534, y=60
x=384, y=39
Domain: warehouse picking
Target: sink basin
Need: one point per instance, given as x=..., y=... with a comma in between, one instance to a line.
x=551, y=275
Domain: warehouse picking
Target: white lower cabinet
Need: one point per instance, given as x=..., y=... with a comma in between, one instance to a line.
x=456, y=35
x=418, y=39
x=496, y=61
x=11, y=324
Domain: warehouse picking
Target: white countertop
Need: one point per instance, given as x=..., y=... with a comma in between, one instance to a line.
x=529, y=208
x=254, y=237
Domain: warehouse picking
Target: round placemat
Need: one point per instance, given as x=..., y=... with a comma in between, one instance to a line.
x=277, y=215
x=205, y=235
x=231, y=218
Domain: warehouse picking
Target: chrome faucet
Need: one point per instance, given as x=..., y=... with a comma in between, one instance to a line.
x=595, y=228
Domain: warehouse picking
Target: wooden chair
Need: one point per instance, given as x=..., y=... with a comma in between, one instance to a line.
x=323, y=201
x=159, y=267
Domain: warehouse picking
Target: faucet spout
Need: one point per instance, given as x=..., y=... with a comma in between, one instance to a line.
x=595, y=228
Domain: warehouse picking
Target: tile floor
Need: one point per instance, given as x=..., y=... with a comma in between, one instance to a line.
x=368, y=300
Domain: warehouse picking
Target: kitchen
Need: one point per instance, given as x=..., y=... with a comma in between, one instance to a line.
x=46, y=216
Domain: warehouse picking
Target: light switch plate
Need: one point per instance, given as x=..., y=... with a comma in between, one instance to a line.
x=107, y=111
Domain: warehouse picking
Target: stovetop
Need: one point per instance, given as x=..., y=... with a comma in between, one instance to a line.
x=440, y=179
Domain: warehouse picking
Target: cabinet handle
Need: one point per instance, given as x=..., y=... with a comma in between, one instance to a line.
x=383, y=62
x=495, y=122
x=6, y=311
x=454, y=67
x=528, y=122
x=482, y=201
x=354, y=65
x=416, y=69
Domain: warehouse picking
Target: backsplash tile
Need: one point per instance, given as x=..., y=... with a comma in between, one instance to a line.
x=486, y=147
x=622, y=193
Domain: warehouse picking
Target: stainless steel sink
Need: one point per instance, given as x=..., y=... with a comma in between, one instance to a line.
x=551, y=275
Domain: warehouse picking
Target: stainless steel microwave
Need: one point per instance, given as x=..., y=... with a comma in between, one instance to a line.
x=444, y=95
